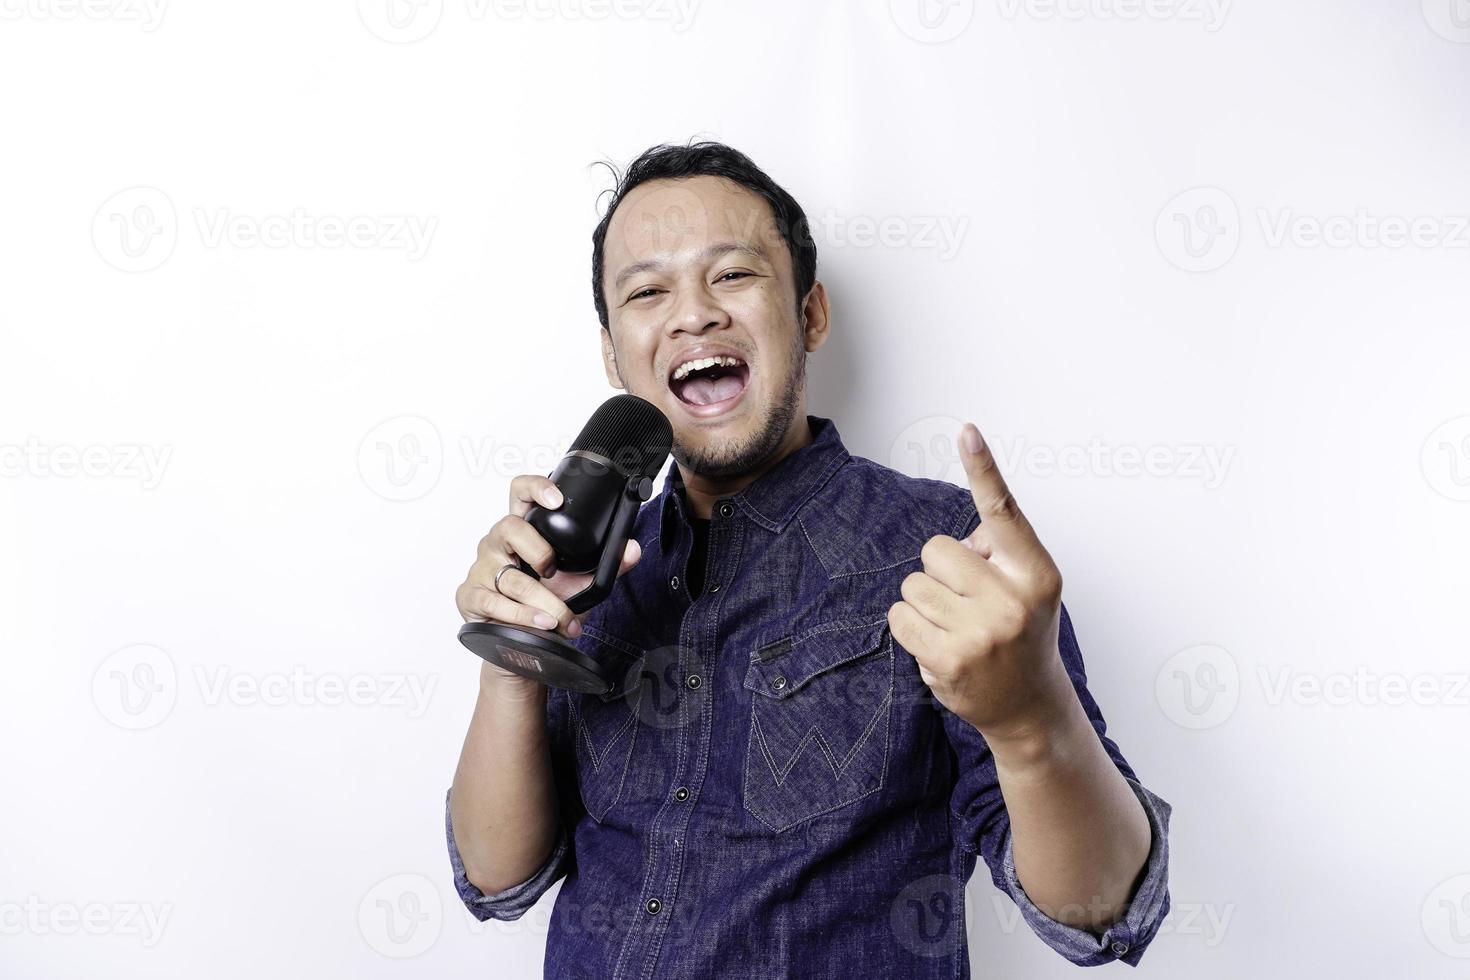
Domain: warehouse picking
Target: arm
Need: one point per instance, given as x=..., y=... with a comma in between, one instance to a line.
x=510, y=813
x=515, y=803
x=502, y=804
x=985, y=625
x=1080, y=836
x=989, y=822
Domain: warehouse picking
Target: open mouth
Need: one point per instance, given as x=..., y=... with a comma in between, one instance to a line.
x=711, y=388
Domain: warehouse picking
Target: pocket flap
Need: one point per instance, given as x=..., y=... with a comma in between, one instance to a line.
x=780, y=669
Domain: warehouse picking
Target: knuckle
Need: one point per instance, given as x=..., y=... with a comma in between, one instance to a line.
x=1013, y=614
x=1005, y=505
x=985, y=461
x=1049, y=583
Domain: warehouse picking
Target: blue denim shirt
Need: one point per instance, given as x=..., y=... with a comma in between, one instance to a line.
x=775, y=792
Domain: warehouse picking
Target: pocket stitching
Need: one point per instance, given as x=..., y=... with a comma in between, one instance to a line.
x=584, y=734
x=795, y=642
x=885, y=709
x=816, y=736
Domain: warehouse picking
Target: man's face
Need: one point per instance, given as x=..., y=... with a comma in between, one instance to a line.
x=698, y=265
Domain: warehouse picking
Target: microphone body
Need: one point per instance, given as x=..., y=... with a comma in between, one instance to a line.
x=590, y=489
x=604, y=478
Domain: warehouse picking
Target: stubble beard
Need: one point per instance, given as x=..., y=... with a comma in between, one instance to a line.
x=723, y=460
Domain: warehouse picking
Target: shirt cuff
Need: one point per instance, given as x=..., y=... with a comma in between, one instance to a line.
x=1126, y=938
x=513, y=902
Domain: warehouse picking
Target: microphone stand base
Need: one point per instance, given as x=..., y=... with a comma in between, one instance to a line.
x=542, y=655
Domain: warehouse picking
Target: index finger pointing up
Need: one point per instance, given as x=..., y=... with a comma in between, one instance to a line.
x=1000, y=516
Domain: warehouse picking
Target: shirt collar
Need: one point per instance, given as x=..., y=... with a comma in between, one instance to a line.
x=773, y=499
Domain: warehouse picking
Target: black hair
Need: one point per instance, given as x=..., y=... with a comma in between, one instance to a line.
x=671, y=162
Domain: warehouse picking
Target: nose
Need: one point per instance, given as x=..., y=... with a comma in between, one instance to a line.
x=697, y=310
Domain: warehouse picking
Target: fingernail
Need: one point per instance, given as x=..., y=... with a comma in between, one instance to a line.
x=551, y=496
x=546, y=621
x=970, y=438
x=574, y=628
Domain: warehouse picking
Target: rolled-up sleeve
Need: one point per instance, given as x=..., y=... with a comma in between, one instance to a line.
x=513, y=902
x=982, y=827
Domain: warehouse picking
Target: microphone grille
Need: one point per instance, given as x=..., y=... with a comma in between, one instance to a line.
x=631, y=432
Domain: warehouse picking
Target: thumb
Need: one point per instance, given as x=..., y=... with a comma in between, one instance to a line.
x=632, y=552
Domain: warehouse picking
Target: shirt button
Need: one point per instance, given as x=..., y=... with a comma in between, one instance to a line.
x=693, y=681
x=714, y=588
x=726, y=509
x=652, y=906
x=1120, y=948
x=778, y=682
x=681, y=794
x=674, y=584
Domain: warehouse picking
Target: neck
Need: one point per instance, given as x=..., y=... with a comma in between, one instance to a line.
x=701, y=492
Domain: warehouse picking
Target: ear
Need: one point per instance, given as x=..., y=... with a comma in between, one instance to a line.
x=816, y=317
x=610, y=360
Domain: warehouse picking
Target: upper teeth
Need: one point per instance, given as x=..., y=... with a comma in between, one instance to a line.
x=682, y=371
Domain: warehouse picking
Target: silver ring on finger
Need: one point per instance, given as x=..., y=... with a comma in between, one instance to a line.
x=496, y=582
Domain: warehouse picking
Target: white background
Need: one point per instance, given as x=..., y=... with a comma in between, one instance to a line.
x=1277, y=641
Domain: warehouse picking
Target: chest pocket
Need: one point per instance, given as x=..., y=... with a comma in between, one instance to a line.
x=604, y=726
x=821, y=704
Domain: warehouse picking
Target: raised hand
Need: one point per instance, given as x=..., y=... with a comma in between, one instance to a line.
x=981, y=619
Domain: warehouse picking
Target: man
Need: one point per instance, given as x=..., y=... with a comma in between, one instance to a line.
x=844, y=683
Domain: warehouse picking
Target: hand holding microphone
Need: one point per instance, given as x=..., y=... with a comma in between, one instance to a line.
x=562, y=547
x=517, y=597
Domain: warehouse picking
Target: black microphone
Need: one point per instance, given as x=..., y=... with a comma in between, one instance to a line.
x=604, y=478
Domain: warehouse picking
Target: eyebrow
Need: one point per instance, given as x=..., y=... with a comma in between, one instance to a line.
x=712, y=252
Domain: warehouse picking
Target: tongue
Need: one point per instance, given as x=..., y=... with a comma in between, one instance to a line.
x=705, y=390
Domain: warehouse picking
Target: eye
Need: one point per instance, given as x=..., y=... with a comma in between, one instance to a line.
x=726, y=276
x=642, y=293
